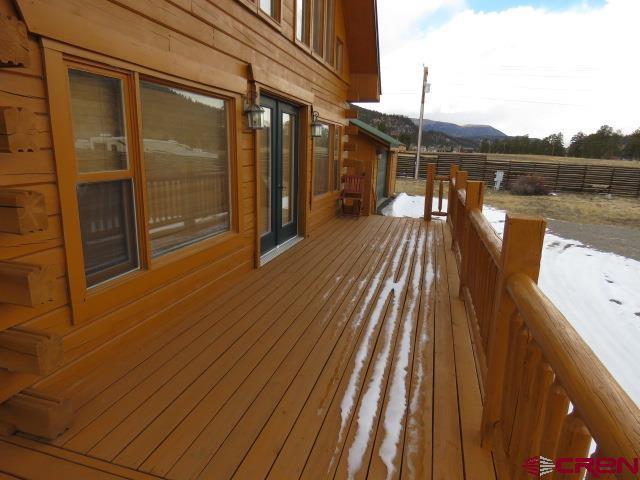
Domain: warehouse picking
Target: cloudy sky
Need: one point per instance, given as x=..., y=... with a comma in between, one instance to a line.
x=523, y=66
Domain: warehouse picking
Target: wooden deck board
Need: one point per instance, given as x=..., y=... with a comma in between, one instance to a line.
x=239, y=324
x=349, y=356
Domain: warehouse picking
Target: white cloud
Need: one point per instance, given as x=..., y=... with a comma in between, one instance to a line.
x=522, y=70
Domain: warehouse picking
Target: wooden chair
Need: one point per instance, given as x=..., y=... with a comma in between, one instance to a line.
x=352, y=190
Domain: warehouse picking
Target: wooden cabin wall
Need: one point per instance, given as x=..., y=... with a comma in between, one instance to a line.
x=203, y=42
x=24, y=87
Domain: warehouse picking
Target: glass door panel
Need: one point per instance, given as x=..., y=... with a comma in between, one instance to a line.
x=278, y=171
x=288, y=167
x=265, y=159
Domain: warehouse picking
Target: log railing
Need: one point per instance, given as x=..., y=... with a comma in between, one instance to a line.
x=181, y=200
x=545, y=392
x=432, y=178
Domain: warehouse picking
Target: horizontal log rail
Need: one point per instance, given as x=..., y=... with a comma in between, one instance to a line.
x=487, y=234
x=545, y=391
x=608, y=413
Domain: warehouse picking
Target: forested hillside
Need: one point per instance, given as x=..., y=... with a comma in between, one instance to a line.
x=605, y=144
x=406, y=131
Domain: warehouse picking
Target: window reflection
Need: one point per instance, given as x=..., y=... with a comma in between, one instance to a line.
x=186, y=165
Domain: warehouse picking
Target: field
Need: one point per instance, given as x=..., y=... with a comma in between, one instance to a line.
x=570, y=207
x=566, y=160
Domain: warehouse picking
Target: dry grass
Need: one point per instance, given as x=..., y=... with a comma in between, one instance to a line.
x=562, y=160
x=571, y=207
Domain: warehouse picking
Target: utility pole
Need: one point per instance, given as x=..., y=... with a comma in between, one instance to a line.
x=425, y=89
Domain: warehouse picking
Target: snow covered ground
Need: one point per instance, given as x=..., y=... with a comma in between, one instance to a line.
x=598, y=292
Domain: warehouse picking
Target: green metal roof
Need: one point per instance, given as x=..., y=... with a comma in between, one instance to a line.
x=374, y=132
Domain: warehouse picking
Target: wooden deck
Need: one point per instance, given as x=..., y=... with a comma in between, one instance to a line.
x=349, y=356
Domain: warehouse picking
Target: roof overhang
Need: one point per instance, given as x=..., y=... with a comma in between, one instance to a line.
x=361, y=19
x=374, y=134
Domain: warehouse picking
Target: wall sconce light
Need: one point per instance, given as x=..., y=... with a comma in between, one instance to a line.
x=316, y=126
x=254, y=113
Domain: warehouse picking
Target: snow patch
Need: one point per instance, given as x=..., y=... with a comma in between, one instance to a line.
x=596, y=291
x=397, y=403
x=366, y=344
x=367, y=411
x=405, y=205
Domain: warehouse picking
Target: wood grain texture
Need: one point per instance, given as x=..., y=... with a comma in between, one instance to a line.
x=18, y=129
x=14, y=47
x=254, y=384
x=30, y=351
x=38, y=414
x=22, y=211
x=26, y=284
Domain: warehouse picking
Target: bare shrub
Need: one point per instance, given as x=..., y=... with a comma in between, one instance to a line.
x=529, y=185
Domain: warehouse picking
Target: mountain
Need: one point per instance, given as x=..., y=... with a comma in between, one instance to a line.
x=406, y=130
x=476, y=132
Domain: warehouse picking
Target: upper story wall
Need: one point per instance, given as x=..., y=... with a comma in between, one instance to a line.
x=203, y=40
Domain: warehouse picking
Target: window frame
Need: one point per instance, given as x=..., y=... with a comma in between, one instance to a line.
x=133, y=172
x=331, y=160
x=329, y=32
x=337, y=174
x=304, y=43
x=152, y=273
x=339, y=56
x=273, y=20
x=327, y=43
x=194, y=245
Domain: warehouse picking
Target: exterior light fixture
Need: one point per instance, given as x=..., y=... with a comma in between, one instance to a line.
x=254, y=116
x=316, y=126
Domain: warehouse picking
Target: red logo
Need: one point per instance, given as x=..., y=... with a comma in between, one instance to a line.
x=539, y=466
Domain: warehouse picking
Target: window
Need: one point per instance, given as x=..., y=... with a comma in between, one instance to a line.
x=268, y=7
x=185, y=146
x=329, y=42
x=302, y=21
x=104, y=180
x=336, y=159
x=318, y=26
x=339, y=54
x=321, y=162
x=326, y=160
x=186, y=164
x=323, y=30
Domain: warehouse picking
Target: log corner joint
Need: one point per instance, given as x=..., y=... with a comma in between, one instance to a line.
x=22, y=211
x=37, y=413
x=14, y=43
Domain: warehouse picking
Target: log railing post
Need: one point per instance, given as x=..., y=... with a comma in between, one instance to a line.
x=473, y=200
x=521, y=253
x=556, y=408
x=574, y=442
x=428, y=196
x=451, y=194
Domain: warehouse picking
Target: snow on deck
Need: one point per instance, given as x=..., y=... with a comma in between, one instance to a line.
x=597, y=291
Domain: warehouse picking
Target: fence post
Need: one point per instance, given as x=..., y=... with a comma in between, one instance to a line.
x=451, y=192
x=473, y=200
x=428, y=195
x=521, y=253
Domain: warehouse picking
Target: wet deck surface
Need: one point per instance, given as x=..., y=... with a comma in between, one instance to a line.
x=349, y=356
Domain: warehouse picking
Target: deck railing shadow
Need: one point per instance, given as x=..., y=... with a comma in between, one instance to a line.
x=545, y=393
